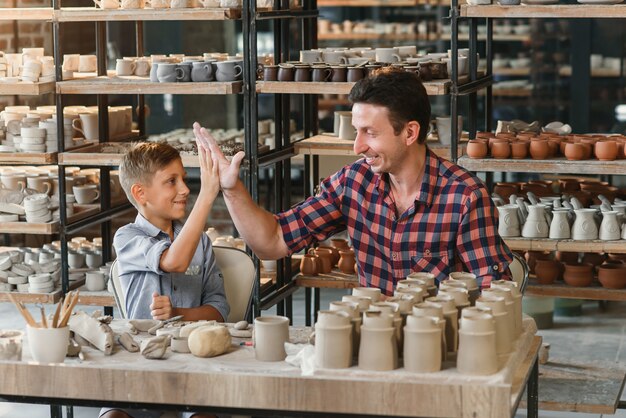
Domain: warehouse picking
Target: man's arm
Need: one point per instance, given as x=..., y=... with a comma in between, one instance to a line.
x=257, y=227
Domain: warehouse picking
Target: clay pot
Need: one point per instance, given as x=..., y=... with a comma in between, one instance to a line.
x=553, y=146
x=476, y=149
x=539, y=149
x=325, y=259
x=568, y=185
x=541, y=190
x=588, y=150
x=595, y=259
x=612, y=276
x=547, y=271
x=346, y=261
x=334, y=252
x=500, y=150
x=533, y=256
x=519, y=149
x=505, y=190
x=566, y=257
x=606, y=150
x=578, y=274
x=308, y=265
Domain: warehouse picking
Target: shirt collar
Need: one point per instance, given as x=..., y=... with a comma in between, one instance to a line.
x=152, y=230
x=426, y=193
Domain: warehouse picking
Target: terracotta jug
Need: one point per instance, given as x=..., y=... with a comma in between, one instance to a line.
x=346, y=261
x=308, y=265
x=609, y=228
x=585, y=227
x=334, y=252
x=536, y=225
x=325, y=259
x=340, y=243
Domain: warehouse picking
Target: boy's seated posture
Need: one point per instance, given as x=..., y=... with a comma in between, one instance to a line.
x=167, y=268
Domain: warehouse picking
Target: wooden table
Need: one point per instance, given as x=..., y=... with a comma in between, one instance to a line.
x=237, y=383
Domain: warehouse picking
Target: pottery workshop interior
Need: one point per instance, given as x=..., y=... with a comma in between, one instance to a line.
x=298, y=208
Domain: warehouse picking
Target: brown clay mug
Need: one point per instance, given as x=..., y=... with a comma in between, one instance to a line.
x=425, y=72
x=286, y=72
x=339, y=74
x=270, y=73
x=355, y=74
x=303, y=73
x=321, y=73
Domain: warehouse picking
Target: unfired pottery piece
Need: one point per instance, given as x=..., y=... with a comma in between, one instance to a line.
x=180, y=345
x=241, y=325
x=186, y=330
x=126, y=340
x=154, y=348
x=141, y=325
x=209, y=341
x=97, y=333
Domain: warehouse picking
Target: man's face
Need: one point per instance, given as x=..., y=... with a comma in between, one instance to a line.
x=166, y=197
x=375, y=138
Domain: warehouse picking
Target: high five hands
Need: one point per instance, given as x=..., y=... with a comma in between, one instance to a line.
x=228, y=170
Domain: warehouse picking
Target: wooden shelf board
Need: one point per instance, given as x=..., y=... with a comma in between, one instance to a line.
x=433, y=88
x=28, y=158
x=93, y=14
x=25, y=88
x=560, y=165
x=26, y=13
x=610, y=11
x=143, y=85
x=47, y=228
x=520, y=92
x=596, y=73
x=52, y=297
x=333, y=280
x=496, y=38
x=376, y=3
x=562, y=290
x=511, y=71
x=102, y=298
x=375, y=37
x=594, y=246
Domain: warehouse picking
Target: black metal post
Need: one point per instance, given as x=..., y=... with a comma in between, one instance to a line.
x=532, y=391
x=580, y=82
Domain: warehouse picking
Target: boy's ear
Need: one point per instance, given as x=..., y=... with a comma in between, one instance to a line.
x=138, y=193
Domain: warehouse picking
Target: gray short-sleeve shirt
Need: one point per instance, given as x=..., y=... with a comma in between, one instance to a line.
x=139, y=247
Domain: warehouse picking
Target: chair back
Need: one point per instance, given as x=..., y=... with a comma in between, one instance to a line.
x=118, y=292
x=519, y=272
x=239, y=274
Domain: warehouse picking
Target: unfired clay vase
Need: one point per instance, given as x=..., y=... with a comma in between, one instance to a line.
x=451, y=315
x=363, y=301
x=333, y=341
x=517, y=299
x=509, y=304
x=609, y=228
x=460, y=295
x=470, y=280
x=422, y=344
x=584, y=227
x=417, y=292
x=536, y=225
x=371, y=292
x=379, y=349
x=477, y=353
x=428, y=280
x=508, y=221
x=559, y=227
x=433, y=310
x=269, y=337
x=392, y=309
x=352, y=309
x=505, y=325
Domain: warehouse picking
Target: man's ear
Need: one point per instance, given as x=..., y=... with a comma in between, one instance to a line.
x=412, y=132
x=138, y=193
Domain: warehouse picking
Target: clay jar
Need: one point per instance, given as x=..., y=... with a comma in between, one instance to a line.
x=355, y=74
x=477, y=351
x=334, y=253
x=270, y=73
x=333, y=340
x=286, y=72
x=346, y=261
x=519, y=149
x=370, y=292
x=309, y=265
x=505, y=190
x=584, y=227
x=324, y=260
x=539, y=149
x=378, y=349
x=578, y=274
x=504, y=323
x=612, y=276
x=606, y=150
x=422, y=344
x=548, y=271
x=269, y=337
x=500, y=149
x=536, y=225
x=476, y=149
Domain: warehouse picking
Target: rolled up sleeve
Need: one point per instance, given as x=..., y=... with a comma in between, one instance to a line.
x=137, y=251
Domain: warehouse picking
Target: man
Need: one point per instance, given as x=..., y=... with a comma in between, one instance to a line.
x=405, y=208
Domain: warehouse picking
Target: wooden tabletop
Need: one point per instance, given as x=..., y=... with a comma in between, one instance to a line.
x=237, y=380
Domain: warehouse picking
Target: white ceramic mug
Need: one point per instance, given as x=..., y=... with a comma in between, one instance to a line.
x=269, y=338
x=86, y=194
x=142, y=67
x=125, y=67
x=70, y=62
x=87, y=125
x=87, y=63
x=48, y=345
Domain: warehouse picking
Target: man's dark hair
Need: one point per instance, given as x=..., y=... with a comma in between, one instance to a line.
x=401, y=92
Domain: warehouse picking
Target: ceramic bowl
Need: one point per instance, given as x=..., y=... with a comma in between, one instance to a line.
x=612, y=276
x=578, y=274
x=547, y=271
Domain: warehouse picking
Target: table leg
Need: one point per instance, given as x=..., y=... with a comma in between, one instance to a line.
x=316, y=304
x=532, y=392
x=308, y=295
x=69, y=411
x=56, y=411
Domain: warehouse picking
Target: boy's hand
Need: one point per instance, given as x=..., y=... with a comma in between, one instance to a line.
x=209, y=175
x=161, y=307
x=228, y=170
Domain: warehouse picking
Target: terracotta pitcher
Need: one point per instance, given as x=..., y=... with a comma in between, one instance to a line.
x=308, y=265
x=346, y=261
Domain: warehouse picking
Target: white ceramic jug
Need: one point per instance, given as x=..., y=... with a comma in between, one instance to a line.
x=536, y=225
x=509, y=224
x=559, y=227
x=609, y=228
x=585, y=227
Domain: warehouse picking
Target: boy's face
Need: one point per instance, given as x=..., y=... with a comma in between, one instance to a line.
x=165, y=198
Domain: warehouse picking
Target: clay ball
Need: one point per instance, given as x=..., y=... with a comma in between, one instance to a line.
x=241, y=325
x=209, y=341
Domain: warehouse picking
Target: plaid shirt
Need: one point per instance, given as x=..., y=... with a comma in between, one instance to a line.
x=453, y=225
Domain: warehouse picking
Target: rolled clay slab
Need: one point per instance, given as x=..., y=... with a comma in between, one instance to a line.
x=155, y=347
x=142, y=325
x=209, y=341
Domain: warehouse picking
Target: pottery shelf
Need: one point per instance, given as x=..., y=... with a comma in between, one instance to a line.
x=332, y=145
x=101, y=298
x=497, y=38
x=142, y=85
x=45, y=228
x=561, y=290
x=52, y=297
x=377, y=37
x=28, y=158
x=557, y=165
x=511, y=71
x=433, y=88
x=569, y=11
x=92, y=14
x=26, y=13
x=546, y=244
x=378, y=3
x=330, y=104
x=596, y=72
x=25, y=88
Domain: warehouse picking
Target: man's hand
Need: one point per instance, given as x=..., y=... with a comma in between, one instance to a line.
x=228, y=170
x=209, y=175
x=161, y=307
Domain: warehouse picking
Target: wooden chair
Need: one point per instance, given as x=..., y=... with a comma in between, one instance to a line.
x=239, y=274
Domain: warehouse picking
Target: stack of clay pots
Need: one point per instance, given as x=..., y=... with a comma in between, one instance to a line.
x=546, y=146
x=323, y=259
x=421, y=327
x=579, y=271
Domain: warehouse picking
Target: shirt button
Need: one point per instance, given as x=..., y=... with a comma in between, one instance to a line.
x=427, y=252
x=496, y=268
x=394, y=255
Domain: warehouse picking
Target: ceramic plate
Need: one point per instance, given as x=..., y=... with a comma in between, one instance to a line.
x=599, y=1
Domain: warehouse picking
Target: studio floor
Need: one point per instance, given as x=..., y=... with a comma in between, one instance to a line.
x=598, y=336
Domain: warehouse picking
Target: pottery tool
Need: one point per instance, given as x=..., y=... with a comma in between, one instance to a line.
x=68, y=312
x=55, y=318
x=44, y=321
x=161, y=324
x=22, y=310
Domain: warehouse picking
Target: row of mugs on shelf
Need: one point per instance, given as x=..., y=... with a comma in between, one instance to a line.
x=547, y=145
x=197, y=71
x=181, y=4
x=325, y=26
x=31, y=65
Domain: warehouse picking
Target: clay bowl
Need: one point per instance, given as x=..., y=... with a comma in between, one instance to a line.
x=547, y=271
x=501, y=149
x=539, y=149
x=606, y=150
x=519, y=149
x=566, y=257
x=588, y=147
x=574, y=152
x=553, y=146
x=612, y=276
x=578, y=274
x=476, y=149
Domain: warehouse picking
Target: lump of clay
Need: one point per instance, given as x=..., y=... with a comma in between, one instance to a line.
x=154, y=348
x=126, y=340
x=186, y=331
x=209, y=341
x=92, y=330
x=141, y=325
x=241, y=325
x=73, y=348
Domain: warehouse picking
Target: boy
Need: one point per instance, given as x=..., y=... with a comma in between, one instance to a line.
x=167, y=268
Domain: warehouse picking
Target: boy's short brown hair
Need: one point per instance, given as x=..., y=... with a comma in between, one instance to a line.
x=142, y=161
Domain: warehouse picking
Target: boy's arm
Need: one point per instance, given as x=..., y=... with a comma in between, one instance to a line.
x=177, y=257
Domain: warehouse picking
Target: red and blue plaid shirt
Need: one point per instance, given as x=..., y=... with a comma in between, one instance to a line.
x=453, y=225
